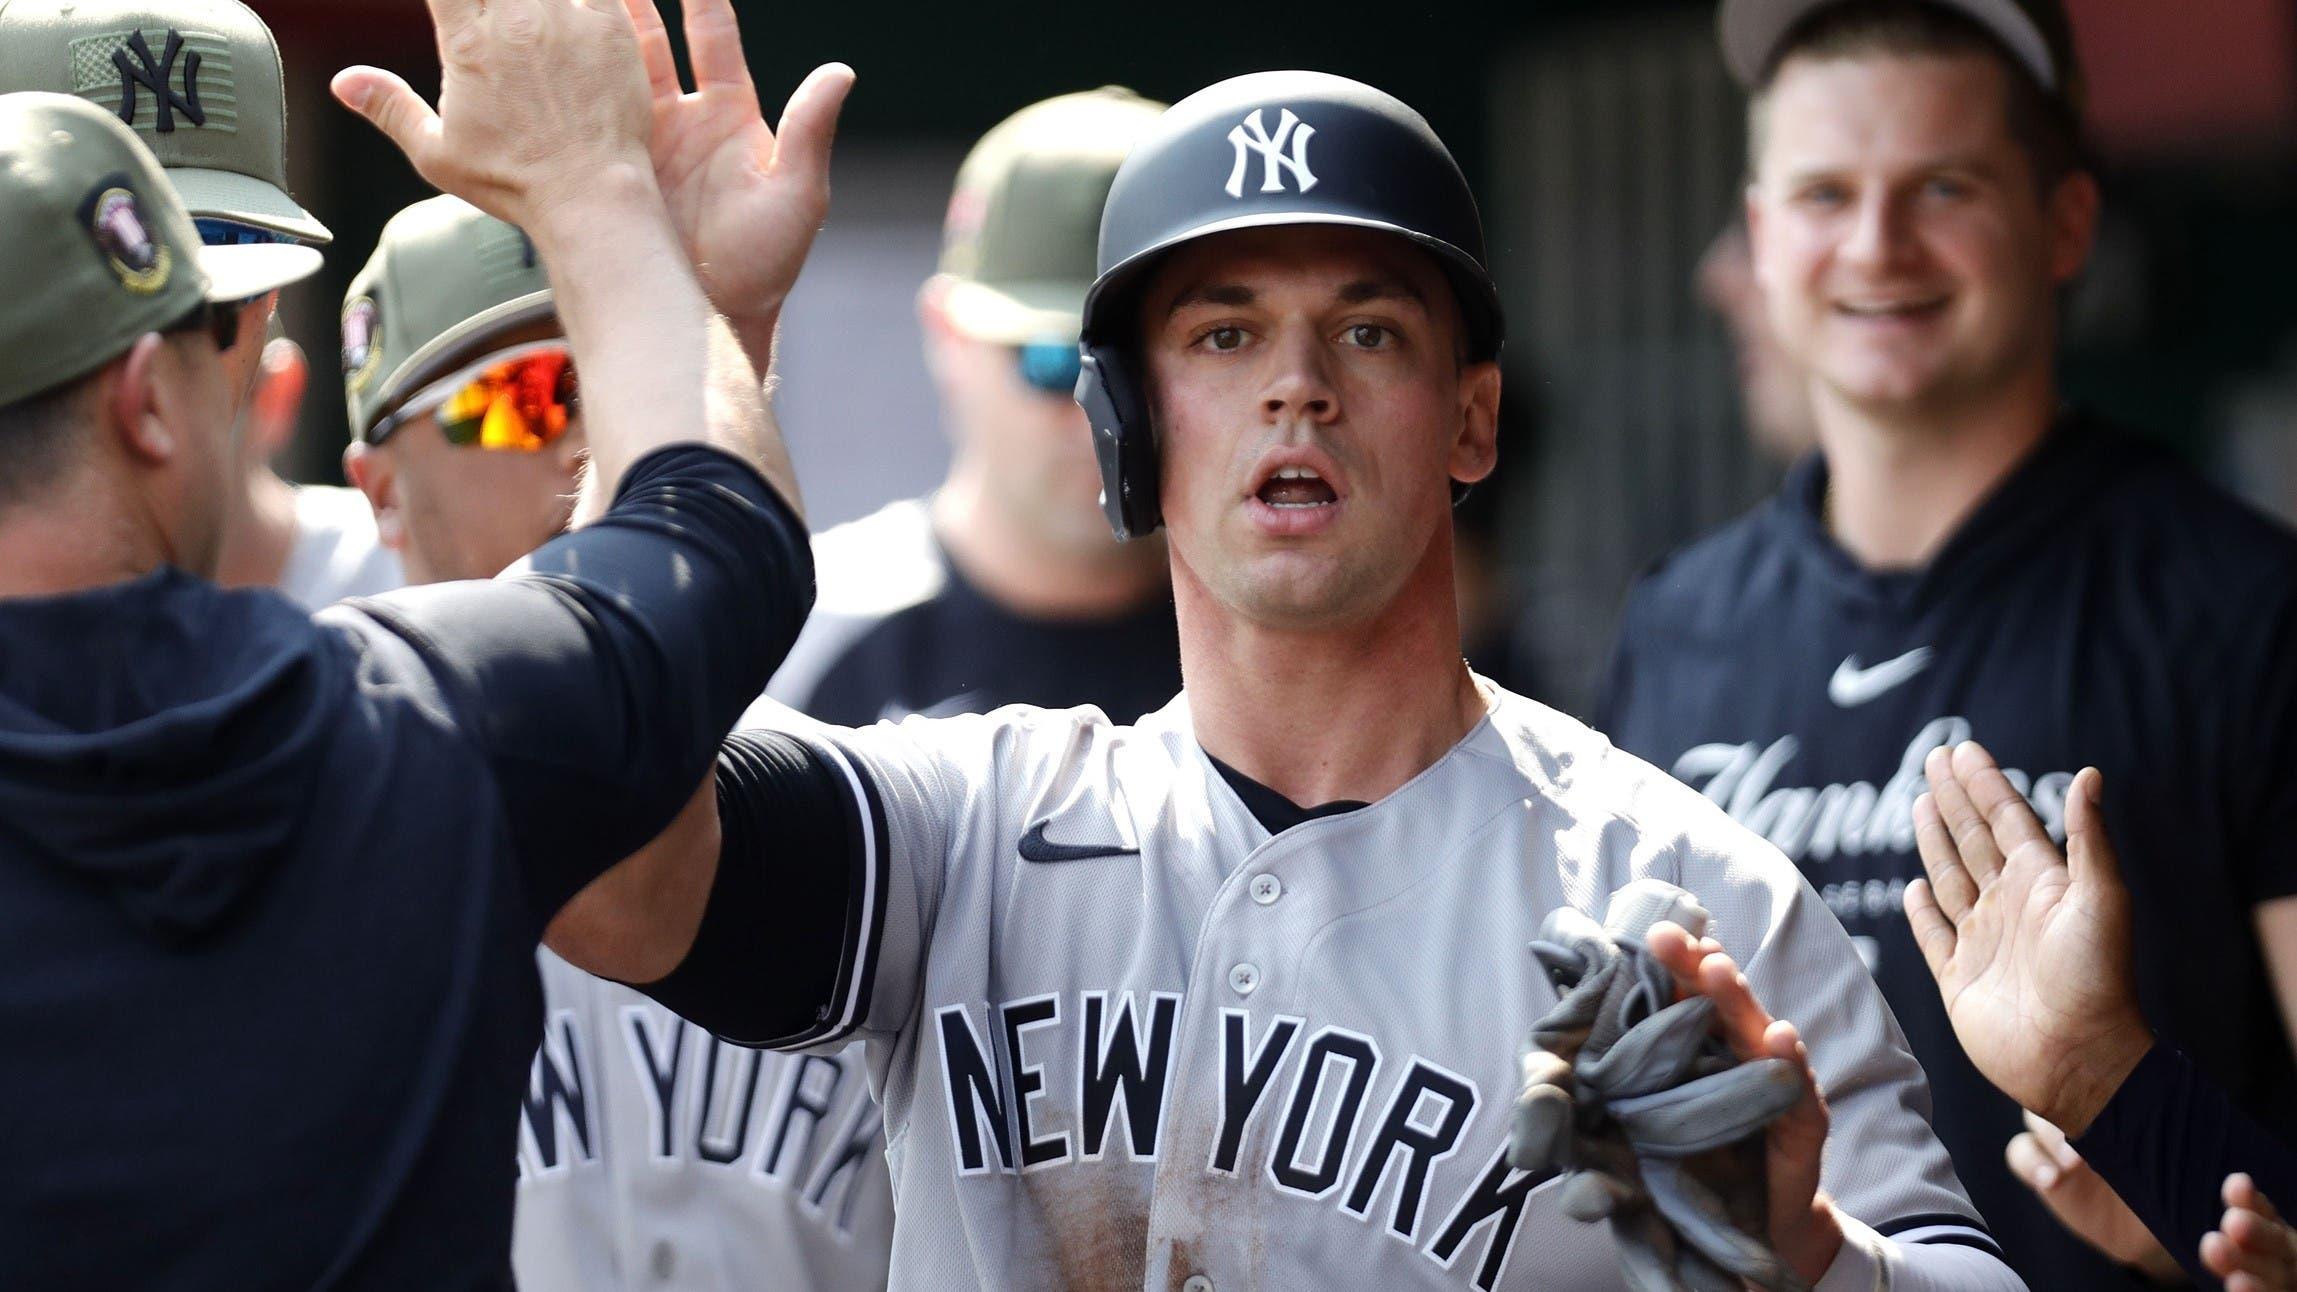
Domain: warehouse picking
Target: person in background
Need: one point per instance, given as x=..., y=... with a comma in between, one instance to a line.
x=201, y=84
x=1966, y=555
x=1004, y=586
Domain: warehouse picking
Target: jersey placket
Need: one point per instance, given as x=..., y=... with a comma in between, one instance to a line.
x=1242, y=1033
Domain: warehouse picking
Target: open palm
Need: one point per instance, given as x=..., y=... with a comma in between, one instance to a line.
x=2031, y=947
x=746, y=202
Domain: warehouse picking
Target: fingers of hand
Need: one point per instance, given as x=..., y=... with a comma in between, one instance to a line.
x=2010, y=816
x=2032, y=1163
x=809, y=123
x=654, y=48
x=2233, y=1261
x=1743, y=1019
x=390, y=105
x=2089, y=852
x=2053, y=1141
x=2241, y=1191
x=1950, y=881
x=1934, y=934
x=714, y=46
x=1974, y=840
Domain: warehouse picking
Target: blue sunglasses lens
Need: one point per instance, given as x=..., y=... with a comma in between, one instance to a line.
x=231, y=233
x=1051, y=366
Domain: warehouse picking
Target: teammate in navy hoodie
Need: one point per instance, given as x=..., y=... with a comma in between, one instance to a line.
x=270, y=884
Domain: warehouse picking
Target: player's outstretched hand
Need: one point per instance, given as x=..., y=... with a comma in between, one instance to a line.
x=746, y=200
x=539, y=102
x=2083, y=1202
x=2030, y=946
x=1804, y=1230
x=2253, y=1249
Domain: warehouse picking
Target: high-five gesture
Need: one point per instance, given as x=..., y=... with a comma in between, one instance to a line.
x=745, y=200
x=539, y=100
x=2031, y=947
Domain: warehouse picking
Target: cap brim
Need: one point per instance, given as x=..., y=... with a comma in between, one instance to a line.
x=238, y=273
x=1016, y=313
x=1751, y=29
x=230, y=195
x=526, y=316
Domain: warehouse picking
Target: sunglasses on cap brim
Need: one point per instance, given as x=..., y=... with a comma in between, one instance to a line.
x=512, y=401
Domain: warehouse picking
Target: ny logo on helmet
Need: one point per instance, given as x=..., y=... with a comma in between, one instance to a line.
x=1252, y=137
x=153, y=75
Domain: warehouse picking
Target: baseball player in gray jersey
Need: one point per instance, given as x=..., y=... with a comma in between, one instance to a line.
x=1231, y=998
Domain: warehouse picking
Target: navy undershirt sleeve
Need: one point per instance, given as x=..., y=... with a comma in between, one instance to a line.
x=600, y=681
x=785, y=920
x=2166, y=1141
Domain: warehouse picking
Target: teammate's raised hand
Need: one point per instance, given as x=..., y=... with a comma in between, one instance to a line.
x=745, y=199
x=539, y=100
x=2031, y=950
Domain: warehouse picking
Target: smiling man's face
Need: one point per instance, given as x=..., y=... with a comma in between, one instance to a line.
x=1907, y=259
x=1311, y=410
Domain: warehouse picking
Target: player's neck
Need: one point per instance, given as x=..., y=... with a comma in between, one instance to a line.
x=1900, y=482
x=261, y=534
x=1027, y=574
x=79, y=534
x=1320, y=716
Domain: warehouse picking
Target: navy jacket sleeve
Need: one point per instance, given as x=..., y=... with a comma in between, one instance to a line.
x=2166, y=1141
x=599, y=681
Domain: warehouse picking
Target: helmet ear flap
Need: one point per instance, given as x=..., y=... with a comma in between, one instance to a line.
x=1123, y=441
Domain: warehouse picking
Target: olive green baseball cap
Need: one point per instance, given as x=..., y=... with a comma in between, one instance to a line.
x=199, y=81
x=447, y=284
x=95, y=247
x=1024, y=224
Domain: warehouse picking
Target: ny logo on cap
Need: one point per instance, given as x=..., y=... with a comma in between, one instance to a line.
x=154, y=75
x=1251, y=136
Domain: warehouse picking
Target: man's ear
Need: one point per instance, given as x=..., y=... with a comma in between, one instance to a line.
x=933, y=323
x=374, y=472
x=1476, y=450
x=142, y=403
x=2073, y=214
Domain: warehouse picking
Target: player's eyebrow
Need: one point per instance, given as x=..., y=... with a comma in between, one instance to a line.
x=1230, y=295
x=1381, y=289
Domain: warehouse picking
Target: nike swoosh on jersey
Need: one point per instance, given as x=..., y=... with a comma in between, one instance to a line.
x=1852, y=686
x=1036, y=847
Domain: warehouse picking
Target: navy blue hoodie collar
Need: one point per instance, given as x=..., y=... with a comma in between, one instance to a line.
x=161, y=737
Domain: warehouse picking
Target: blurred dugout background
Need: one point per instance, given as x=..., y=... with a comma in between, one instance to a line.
x=1605, y=140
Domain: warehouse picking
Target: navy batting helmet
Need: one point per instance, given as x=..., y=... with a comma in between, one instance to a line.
x=1272, y=148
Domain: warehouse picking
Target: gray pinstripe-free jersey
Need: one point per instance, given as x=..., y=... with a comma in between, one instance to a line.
x=1188, y=1055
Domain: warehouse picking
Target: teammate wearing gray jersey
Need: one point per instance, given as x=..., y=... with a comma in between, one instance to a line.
x=1138, y=1017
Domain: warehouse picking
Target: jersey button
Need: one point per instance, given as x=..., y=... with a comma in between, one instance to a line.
x=1243, y=978
x=664, y=1260
x=1266, y=889
x=1197, y=1283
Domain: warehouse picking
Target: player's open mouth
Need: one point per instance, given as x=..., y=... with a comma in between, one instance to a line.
x=1296, y=487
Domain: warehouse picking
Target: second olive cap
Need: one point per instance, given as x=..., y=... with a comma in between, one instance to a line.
x=447, y=284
